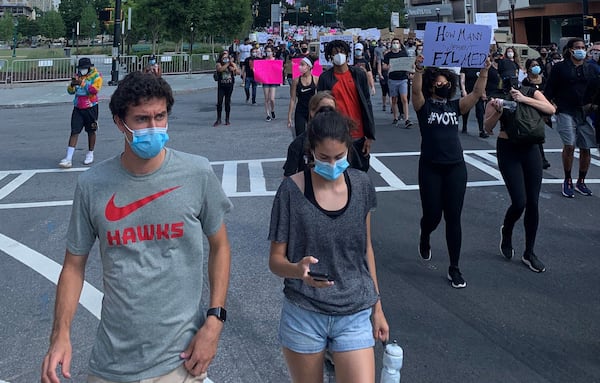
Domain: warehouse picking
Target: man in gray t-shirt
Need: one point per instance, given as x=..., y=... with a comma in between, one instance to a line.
x=149, y=208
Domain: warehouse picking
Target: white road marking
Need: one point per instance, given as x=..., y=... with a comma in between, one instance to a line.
x=484, y=160
x=91, y=298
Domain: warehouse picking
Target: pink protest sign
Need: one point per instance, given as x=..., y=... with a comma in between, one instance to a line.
x=268, y=71
x=317, y=68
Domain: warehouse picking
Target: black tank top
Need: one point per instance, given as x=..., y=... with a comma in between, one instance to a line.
x=309, y=193
x=304, y=93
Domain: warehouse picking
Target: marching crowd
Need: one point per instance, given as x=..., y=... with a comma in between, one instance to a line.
x=320, y=226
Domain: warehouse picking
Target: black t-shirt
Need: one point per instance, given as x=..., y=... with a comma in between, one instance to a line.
x=438, y=122
x=571, y=86
x=363, y=63
x=471, y=75
x=507, y=68
x=397, y=75
x=249, y=67
x=492, y=86
x=541, y=86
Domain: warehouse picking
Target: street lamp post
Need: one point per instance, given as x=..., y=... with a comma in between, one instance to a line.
x=114, y=80
x=93, y=33
x=512, y=16
x=468, y=20
x=192, y=38
x=406, y=20
x=437, y=11
x=15, y=24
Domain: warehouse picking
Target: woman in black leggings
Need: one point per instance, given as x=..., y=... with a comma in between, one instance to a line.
x=226, y=71
x=442, y=169
x=521, y=168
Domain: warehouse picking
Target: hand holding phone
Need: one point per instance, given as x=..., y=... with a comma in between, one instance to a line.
x=321, y=277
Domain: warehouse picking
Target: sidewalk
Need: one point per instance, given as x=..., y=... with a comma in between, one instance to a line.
x=53, y=93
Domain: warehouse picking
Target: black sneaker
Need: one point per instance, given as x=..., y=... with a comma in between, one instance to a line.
x=483, y=134
x=506, y=248
x=407, y=124
x=269, y=118
x=273, y=115
x=533, y=262
x=455, y=278
x=424, y=248
x=395, y=122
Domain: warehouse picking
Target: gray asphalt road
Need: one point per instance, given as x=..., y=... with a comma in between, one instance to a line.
x=508, y=325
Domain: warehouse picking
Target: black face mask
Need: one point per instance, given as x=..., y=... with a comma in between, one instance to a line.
x=443, y=92
x=304, y=50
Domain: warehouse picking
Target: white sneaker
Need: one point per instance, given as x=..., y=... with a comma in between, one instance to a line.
x=65, y=163
x=89, y=158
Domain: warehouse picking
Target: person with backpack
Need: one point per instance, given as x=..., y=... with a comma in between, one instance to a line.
x=519, y=161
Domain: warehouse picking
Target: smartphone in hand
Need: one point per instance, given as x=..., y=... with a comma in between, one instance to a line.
x=321, y=277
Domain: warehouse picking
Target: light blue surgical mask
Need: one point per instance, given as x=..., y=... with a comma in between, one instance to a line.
x=147, y=143
x=331, y=172
x=536, y=69
x=579, y=54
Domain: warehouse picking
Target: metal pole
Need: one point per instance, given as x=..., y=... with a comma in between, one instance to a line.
x=15, y=25
x=585, y=10
x=115, y=48
x=514, y=31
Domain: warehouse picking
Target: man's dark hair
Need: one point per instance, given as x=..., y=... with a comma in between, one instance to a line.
x=569, y=46
x=339, y=45
x=137, y=87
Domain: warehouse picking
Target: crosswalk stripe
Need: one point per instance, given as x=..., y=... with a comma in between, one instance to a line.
x=386, y=173
x=229, y=181
x=257, y=178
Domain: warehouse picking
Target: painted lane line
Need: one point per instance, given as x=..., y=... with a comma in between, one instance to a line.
x=14, y=184
x=257, y=178
x=386, y=173
x=29, y=205
x=229, y=181
x=91, y=298
x=483, y=167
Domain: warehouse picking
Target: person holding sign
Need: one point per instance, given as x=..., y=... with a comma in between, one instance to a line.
x=442, y=169
x=398, y=79
x=270, y=88
x=302, y=89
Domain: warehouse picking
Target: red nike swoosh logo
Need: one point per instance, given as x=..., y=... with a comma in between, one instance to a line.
x=115, y=213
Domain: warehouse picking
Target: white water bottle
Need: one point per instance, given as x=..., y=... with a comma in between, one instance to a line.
x=392, y=363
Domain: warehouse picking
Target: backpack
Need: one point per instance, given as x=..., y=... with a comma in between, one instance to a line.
x=526, y=124
x=216, y=76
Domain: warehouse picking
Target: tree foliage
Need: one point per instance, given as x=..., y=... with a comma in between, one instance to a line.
x=52, y=25
x=88, y=22
x=6, y=28
x=369, y=13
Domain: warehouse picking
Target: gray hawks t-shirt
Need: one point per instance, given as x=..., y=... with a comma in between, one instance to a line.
x=150, y=231
x=340, y=245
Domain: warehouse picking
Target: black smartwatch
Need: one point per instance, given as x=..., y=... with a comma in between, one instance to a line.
x=219, y=312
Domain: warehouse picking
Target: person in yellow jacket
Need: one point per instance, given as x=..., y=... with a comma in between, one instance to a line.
x=85, y=85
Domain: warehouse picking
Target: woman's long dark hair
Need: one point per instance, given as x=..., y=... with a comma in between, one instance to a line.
x=430, y=76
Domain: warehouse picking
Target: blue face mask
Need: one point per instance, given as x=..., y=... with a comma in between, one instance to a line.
x=147, y=143
x=579, y=54
x=331, y=172
x=536, y=69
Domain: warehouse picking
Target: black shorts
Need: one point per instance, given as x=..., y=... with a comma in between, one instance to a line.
x=87, y=118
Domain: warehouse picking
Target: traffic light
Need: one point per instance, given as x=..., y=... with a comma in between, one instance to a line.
x=106, y=14
x=589, y=23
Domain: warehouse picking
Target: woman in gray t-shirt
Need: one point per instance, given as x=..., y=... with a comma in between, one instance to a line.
x=321, y=244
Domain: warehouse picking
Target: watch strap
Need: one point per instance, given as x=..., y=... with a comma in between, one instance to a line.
x=219, y=312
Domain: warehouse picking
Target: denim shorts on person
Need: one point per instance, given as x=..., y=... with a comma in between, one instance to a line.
x=398, y=87
x=309, y=332
x=575, y=131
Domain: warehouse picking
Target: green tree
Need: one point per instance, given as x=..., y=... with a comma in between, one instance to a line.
x=52, y=25
x=369, y=13
x=6, y=28
x=88, y=22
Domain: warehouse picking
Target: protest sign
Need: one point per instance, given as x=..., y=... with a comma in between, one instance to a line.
x=399, y=33
x=490, y=19
x=317, y=68
x=456, y=45
x=402, y=64
x=268, y=71
x=323, y=40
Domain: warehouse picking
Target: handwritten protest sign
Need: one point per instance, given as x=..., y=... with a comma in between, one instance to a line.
x=268, y=71
x=316, y=70
x=323, y=40
x=456, y=45
x=402, y=64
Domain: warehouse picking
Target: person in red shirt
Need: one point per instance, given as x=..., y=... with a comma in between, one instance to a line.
x=350, y=89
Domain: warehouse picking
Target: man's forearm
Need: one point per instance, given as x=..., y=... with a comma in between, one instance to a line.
x=219, y=263
x=68, y=291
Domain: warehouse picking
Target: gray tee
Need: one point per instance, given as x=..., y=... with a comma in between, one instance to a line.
x=150, y=231
x=339, y=244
